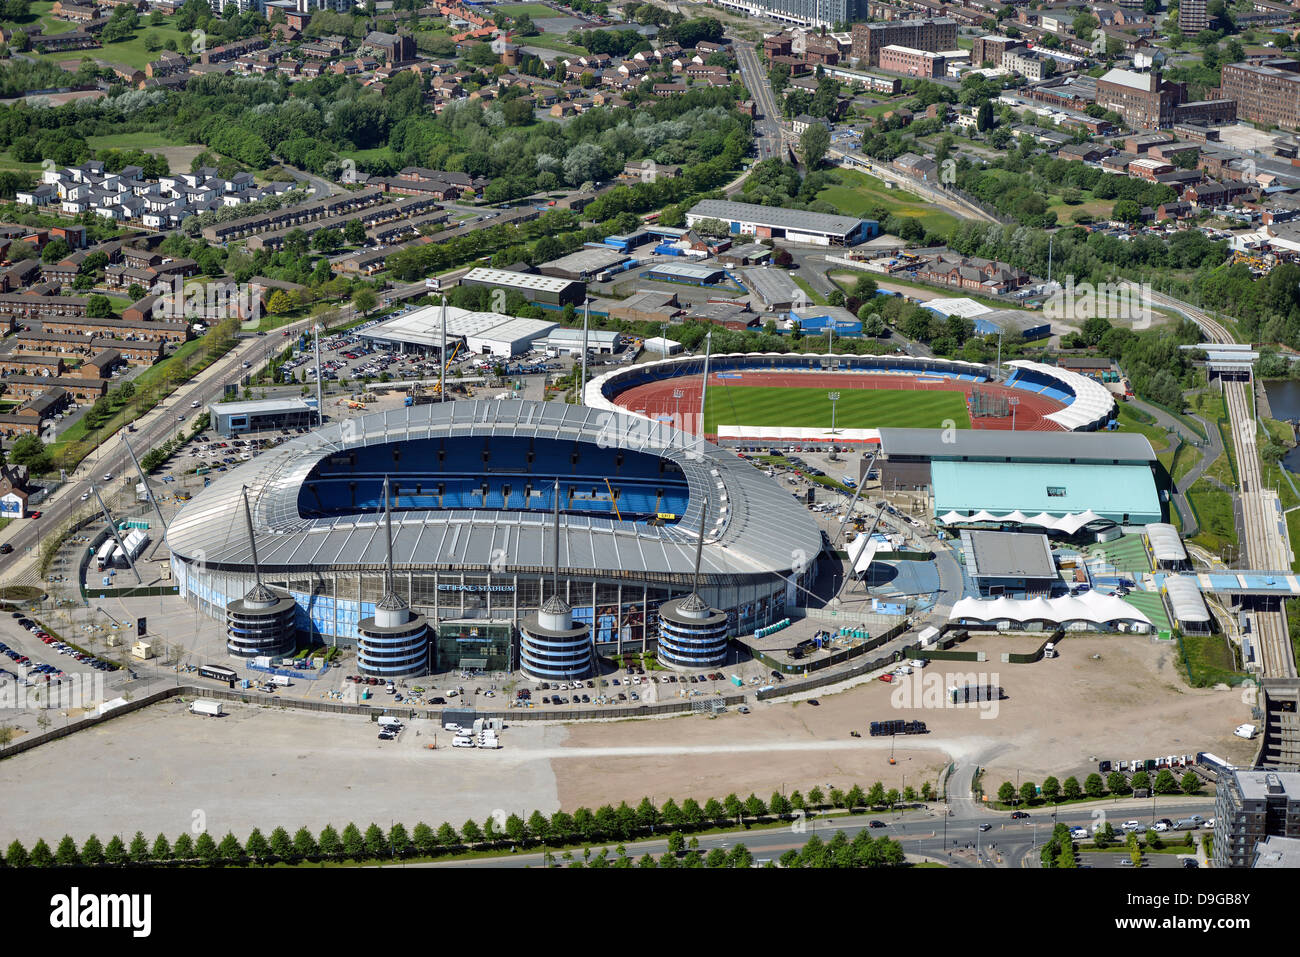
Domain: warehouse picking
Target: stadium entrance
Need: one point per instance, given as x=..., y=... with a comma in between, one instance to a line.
x=477, y=645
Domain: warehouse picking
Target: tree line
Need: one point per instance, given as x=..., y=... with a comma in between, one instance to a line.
x=586, y=826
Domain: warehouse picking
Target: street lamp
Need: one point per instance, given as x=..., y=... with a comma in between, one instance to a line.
x=834, y=397
x=1013, y=402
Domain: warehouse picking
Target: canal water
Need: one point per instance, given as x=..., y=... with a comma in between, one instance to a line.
x=1284, y=402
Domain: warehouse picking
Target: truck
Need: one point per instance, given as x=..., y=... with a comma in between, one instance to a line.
x=281, y=680
x=210, y=709
x=433, y=283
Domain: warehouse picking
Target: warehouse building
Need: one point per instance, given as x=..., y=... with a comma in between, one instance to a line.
x=774, y=290
x=776, y=223
x=1061, y=482
x=584, y=265
x=509, y=338
x=569, y=341
x=548, y=289
x=647, y=305
x=233, y=418
x=690, y=274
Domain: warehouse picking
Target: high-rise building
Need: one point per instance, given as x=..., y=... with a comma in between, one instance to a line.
x=934, y=34
x=1192, y=17
x=813, y=13
x=1251, y=805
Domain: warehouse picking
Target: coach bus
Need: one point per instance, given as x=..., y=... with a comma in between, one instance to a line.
x=218, y=673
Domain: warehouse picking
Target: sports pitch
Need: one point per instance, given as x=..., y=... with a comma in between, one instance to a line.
x=856, y=408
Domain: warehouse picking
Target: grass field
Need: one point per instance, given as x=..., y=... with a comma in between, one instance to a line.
x=859, y=194
x=856, y=408
x=535, y=10
x=143, y=140
x=131, y=52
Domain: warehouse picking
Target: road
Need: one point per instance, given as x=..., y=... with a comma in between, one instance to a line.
x=926, y=832
x=1209, y=450
x=768, y=133
x=1264, y=527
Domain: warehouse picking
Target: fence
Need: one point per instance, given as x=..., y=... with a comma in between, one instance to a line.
x=835, y=658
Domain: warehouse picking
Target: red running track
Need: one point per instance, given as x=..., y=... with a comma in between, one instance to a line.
x=656, y=398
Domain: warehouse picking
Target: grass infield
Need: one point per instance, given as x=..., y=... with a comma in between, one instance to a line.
x=856, y=408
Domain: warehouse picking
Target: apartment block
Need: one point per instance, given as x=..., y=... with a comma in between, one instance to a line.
x=1264, y=94
x=933, y=34
x=1251, y=805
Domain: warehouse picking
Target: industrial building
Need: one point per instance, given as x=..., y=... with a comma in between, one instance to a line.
x=585, y=265
x=258, y=415
x=776, y=223
x=485, y=333
x=932, y=33
x=473, y=492
x=774, y=289
x=547, y=289
x=1015, y=564
x=569, y=341
x=688, y=273
x=812, y=13
x=1060, y=482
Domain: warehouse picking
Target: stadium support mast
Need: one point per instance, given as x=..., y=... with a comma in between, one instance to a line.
x=116, y=537
x=442, y=355
x=320, y=377
x=252, y=539
x=586, y=316
x=145, y=482
x=704, y=389
x=388, y=532
x=555, y=568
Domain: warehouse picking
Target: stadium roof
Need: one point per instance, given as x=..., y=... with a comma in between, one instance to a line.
x=753, y=526
x=1093, y=402
x=1165, y=543
x=1050, y=488
x=517, y=280
x=1007, y=555
x=795, y=219
x=1091, y=606
x=1099, y=447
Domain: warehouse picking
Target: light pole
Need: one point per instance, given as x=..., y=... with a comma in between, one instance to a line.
x=834, y=397
x=1013, y=402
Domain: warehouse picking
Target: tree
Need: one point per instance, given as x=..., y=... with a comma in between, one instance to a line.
x=1117, y=784
x=856, y=797
x=55, y=251
x=258, y=849
x=66, y=854
x=205, y=849
x=754, y=806
x=399, y=841
x=376, y=843
x=16, y=855
x=281, y=845
x=364, y=302
x=354, y=232
x=472, y=833
x=1166, y=783
x=876, y=795
x=815, y=797
x=1190, y=783
x=229, y=850
x=892, y=798
x=139, y=850
x=1126, y=211
x=99, y=307
x=182, y=850
x=304, y=845
x=984, y=116
x=1007, y=793
x=1093, y=785
x=1028, y=791
x=41, y=856
x=92, y=852
x=676, y=842
x=814, y=143
x=1141, y=780
x=1051, y=789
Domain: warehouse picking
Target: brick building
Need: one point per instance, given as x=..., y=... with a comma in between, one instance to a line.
x=933, y=34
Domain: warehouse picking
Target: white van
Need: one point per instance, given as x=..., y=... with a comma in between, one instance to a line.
x=462, y=741
x=1049, y=650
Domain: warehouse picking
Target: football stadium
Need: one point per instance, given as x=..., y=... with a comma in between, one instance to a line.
x=467, y=540
x=770, y=397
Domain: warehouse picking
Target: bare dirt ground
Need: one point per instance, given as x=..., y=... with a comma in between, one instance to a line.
x=263, y=767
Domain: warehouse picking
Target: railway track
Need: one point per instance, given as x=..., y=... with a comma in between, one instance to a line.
x=1265, y=541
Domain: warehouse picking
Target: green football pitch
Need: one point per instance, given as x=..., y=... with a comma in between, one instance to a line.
x=855, y=409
